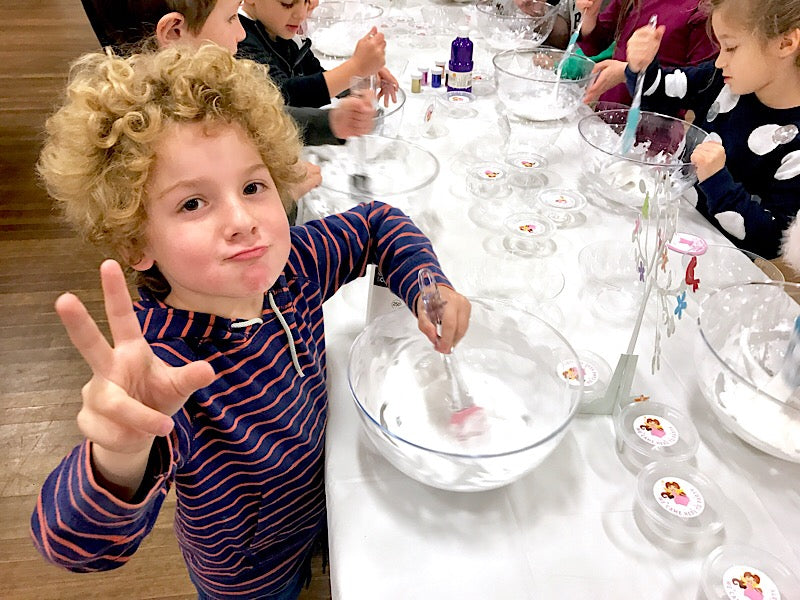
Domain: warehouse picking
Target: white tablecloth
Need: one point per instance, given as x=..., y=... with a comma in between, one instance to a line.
x=568, y=529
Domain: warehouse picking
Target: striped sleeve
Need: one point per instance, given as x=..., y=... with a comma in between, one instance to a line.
x=79, y=525
x=336, y=250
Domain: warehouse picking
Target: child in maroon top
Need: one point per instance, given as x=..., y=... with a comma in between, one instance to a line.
x=685, y=42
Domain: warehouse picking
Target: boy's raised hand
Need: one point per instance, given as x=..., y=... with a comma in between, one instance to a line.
x=643, y=46
x=455, y=320
x=370, y=53
x=132, y=393
x=353, y=115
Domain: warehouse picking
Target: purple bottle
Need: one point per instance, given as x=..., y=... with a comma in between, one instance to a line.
x=459, y=76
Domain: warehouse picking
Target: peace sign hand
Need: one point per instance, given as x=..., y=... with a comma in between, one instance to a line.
x=132, y=393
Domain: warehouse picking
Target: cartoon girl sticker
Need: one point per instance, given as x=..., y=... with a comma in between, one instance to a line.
x=653, y=425
x=673, y=491
x=749, y=582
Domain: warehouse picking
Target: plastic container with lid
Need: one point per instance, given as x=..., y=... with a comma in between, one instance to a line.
x=596, y=374
x=677, y=503
x=651, y=431
x=738, y=572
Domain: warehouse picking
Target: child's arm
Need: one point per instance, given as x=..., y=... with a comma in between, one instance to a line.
x=757, y=223
x=668, y=91
x=337, y=249
x=368, y=58
x=598, y=27
x=84, y=519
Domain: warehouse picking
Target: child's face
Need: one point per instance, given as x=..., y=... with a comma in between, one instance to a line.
x=748, y=64
x=281, y=18
x=222, y=26
x=216, y=227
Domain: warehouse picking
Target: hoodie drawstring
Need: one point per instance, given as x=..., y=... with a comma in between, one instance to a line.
x=288, y=332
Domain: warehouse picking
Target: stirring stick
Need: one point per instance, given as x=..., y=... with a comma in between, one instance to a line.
x=573, y=39
x=634, y=114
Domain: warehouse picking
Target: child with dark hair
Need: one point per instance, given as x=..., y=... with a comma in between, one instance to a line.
x=749, y=101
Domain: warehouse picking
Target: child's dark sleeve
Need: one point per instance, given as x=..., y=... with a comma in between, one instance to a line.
x=82, y=527
x=670, y=90
x=337, y=249
x=746, y=217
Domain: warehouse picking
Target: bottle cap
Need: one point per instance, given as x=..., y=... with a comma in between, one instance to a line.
x=416, y=75
x=463, y=31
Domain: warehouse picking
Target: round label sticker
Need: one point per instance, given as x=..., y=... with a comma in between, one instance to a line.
x=459, y=99
x=489, y=173
x=528, y=162
x=568, y=371
x=741, y=582
x=678, y=497
x=687, y=243
x=558, y=200
x=530, y=228
x=655, y=430
x=428, y=113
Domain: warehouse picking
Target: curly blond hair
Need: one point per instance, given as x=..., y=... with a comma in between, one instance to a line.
x=99, y=149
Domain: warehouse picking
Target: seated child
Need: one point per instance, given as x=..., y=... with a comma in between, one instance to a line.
x=132, y=26
x=175, y=163
x=749, y=100
x=272, y=39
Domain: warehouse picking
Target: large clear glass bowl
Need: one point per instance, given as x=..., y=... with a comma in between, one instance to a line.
x=663, y=147
x=508, y=360
x=505, y=26
x=531, y=86
x=744, y=335
x=336, y=27
x=400, y=173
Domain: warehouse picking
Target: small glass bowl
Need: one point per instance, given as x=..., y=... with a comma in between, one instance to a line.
x=730, y=571
x=596, y=374
x=526, y=169
x=487, y=180
x=678, y=503
x=458, y=105
x=528, y=234
x=561, y=205
x=651, y=431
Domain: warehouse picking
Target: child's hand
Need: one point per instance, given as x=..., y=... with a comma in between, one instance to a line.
x=455, y=320
x=708, y=158
x=388, y=86
x=312, y=177
x=132, y=393
x=352, y=116
x=370, y=53
x=643, y=47
x=610, y=73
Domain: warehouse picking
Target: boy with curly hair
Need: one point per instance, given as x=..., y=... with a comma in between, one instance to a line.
x=175, y=163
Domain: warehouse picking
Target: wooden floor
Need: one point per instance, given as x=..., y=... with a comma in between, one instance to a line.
x=40, y=374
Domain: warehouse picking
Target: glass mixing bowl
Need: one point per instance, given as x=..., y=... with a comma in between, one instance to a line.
x=662, y=148
x=400, y=173
x=508, y=360
x=530, y=86
x=506, y=27
x=336, y=27
x=744, y=336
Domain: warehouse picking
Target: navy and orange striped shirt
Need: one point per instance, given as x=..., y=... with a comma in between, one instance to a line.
x=246, y=454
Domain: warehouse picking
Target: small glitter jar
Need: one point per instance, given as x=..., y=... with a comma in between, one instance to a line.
x=416, y=82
